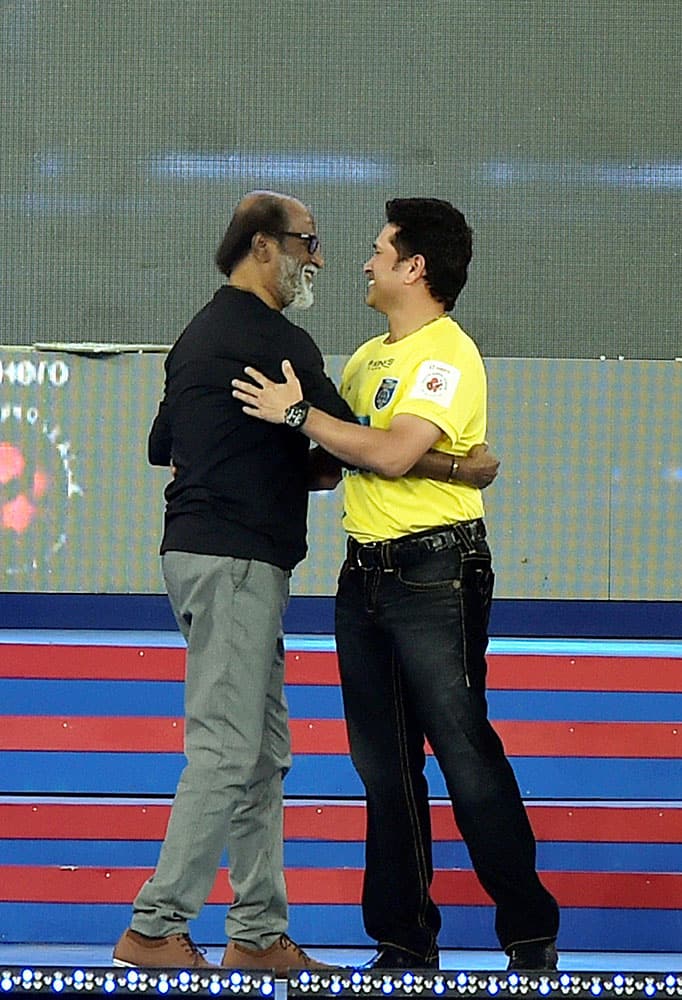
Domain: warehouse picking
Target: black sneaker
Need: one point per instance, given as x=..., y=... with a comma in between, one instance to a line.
x=533, y=956
x=388, y=957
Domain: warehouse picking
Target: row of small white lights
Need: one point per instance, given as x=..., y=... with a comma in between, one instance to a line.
x=515, y=984
x=133, y=981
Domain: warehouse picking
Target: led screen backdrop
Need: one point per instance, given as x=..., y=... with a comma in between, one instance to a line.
x=131, y=127
x=587, y=505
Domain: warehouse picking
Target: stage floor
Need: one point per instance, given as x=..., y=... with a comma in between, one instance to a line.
x=83, y=955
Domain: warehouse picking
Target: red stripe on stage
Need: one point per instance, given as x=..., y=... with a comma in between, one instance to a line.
x=57, y=821
x=84, y=734
x=606, y=824
x=121, y=734
x=70, y=821
x=591, y=739
x=312, y=668
x=149, y=663
x=509, y=672
x=506, y=671
x=612, y=890
x=336, y=823
x=587, y=824
x=59, y=662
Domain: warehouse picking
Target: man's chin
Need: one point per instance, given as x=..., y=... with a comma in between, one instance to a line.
x=301, y=302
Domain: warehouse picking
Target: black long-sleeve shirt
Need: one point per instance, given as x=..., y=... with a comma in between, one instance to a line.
x=241, y=485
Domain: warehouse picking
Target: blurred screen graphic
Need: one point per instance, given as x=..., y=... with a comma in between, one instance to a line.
x=131, y=128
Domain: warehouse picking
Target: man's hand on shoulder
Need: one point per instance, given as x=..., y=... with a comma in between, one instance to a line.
x=479, y=467
x=267, y=400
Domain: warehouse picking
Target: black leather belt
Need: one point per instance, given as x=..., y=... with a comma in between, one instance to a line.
x=400, y=551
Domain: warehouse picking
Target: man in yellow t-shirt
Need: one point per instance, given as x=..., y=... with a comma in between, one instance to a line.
x=418, y=375
x=414, y=598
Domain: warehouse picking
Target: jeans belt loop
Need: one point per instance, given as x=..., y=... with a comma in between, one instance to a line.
x=385, y=559
x=467, y=535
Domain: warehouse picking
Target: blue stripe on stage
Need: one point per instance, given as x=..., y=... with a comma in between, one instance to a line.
x=105, y=698
x=82, y=853
x=27, y=696
x=533, y=646
x=325, y=643
x=585, y=706
x=147, y=612
x=332, y=775
x=463, y=926
x=586, y=647
x=165, y=698
x=559, y=856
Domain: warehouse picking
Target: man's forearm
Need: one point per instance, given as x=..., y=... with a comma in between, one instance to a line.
x=352, y=444
x=433, y=465
x=478, y=468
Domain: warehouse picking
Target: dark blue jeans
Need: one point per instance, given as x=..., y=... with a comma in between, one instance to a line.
x=411, y=643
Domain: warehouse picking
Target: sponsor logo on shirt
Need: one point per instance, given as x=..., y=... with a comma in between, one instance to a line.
x=436, y=382
x=385, y=392
x=379, y=363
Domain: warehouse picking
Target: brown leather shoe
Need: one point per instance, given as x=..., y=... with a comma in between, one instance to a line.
x=177, y=951
x=282, y=956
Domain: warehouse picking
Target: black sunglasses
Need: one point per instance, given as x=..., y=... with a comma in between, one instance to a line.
x=312, y=239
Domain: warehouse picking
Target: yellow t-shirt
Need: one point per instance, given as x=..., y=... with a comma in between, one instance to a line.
x=436, y=373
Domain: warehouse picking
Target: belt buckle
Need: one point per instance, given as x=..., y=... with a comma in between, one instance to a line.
x=358, y=558
x=380, y=556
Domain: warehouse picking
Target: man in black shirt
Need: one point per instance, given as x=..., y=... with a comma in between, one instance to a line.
x=235, y=527
x=237, y=492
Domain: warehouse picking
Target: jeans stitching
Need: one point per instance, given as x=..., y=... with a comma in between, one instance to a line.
x=417, y=587
x=409, y=795
x=463, y=637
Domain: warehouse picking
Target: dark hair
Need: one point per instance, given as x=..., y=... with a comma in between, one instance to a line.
x=266, y=213
x=439, y=232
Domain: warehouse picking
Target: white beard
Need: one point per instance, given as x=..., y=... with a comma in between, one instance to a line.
x=296, y=283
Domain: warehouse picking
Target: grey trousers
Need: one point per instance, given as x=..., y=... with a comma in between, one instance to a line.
x=237, y=747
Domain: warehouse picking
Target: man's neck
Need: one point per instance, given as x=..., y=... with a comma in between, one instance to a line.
x=248, y=278
x=403, y=322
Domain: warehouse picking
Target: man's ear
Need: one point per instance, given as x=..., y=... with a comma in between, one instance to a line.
x=417, y=269
x=261, y=247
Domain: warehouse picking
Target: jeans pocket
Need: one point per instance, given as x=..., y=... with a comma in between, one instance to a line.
x=478, y=581
x=432, y=571
x=346, y=568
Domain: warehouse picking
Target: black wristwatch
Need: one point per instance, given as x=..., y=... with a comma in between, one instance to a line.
x=295, y=415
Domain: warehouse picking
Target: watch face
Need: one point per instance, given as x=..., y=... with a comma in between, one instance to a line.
x=296, y=414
